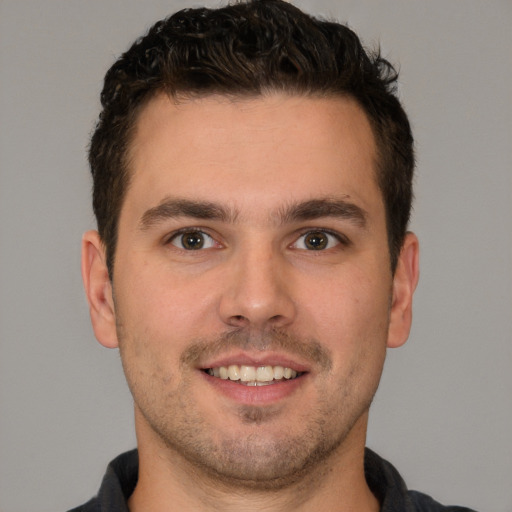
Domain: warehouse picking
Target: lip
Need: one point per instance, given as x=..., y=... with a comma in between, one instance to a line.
x=255, y=395
x=248, y=359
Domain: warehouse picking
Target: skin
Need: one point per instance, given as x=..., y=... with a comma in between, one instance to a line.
x=255, y=293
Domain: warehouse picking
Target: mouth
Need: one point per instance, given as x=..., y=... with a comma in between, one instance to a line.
x=254, y=375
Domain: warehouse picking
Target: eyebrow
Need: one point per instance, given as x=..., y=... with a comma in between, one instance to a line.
x=312, y=209
x=325, y=207
x=172, y=208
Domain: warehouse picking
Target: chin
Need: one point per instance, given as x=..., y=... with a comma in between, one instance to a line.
x=265, y=455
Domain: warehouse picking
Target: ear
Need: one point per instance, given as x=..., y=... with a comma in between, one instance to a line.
x=404, y=283
x=98, y=289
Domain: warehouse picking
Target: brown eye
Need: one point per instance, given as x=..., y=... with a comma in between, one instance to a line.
x=193, y=241
x=316, y=241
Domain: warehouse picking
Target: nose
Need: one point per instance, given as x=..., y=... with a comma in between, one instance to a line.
x=257, y=291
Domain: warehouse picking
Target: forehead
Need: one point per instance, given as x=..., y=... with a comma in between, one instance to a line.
x=240, y=150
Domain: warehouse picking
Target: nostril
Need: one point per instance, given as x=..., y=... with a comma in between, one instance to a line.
x=238, y=321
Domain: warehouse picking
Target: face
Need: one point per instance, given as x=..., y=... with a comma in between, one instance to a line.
x=252, y=295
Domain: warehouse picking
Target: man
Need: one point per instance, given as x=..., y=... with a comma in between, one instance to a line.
x=252, y=186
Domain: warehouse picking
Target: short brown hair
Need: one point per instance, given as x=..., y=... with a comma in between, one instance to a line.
x=248, y=49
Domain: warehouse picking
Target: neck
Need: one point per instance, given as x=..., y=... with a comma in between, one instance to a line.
x=168, y=483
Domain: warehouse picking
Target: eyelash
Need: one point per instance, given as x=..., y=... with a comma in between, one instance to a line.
x=341, y=239
x=190, y=231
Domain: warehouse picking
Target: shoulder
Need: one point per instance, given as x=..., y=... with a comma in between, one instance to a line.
x=91, y=506
x=424, y=503
x=392, y=492
x=118, y=484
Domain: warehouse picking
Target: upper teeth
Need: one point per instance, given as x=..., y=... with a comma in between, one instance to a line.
x=252, y=374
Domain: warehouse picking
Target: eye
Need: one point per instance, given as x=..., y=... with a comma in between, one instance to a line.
x=317, y=241
x=193, y=240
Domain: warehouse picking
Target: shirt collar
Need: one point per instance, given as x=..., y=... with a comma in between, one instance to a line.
x=122, y=473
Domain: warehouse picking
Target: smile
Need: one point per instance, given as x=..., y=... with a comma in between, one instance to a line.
x=253, y=375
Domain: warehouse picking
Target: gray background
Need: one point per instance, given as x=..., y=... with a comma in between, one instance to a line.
x=443, y=414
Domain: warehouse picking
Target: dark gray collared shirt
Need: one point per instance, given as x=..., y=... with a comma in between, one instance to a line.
x=383, y=479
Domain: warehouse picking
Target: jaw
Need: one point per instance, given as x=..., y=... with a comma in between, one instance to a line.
x=320, y=482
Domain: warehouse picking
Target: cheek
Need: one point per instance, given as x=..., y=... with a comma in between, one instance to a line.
x=158, y=316
x=348, y=305
x=165, y=306
x=351, y=317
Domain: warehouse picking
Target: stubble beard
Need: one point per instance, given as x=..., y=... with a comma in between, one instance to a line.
x=264, y=459
x=256, y=462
